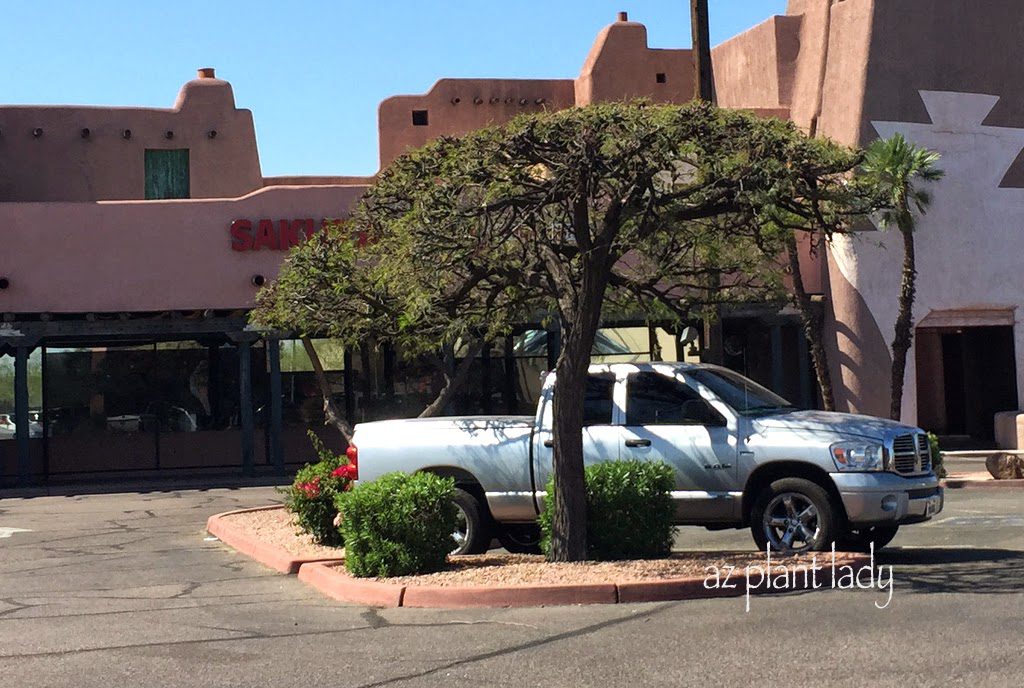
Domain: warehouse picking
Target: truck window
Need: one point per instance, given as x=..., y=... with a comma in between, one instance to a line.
x=655, y=399
x=597, y=404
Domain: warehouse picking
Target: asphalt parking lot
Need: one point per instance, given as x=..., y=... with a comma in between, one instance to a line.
x=125, y=589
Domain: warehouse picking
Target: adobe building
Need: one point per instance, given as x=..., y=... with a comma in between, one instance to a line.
x=135, y=240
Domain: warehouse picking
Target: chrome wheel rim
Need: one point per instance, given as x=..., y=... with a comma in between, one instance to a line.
x=461, y=532
x=791, y=523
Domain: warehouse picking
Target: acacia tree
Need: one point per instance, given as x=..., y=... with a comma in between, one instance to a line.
x=572, y=214
x=895, y=166
x=576, y=211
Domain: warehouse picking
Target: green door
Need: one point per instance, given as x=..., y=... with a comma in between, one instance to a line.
x=167, y=174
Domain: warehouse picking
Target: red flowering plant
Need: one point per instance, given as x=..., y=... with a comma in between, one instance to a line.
x=310, y=497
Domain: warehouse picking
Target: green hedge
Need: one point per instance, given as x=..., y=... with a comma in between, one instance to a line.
x=936, y=455
x=398, y=525
x=629, y=510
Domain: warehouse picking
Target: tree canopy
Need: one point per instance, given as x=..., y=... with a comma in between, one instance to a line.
x=573, y=215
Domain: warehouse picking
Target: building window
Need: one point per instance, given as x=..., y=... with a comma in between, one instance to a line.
x=167, y=174
x=419, y=118
x=660, y=77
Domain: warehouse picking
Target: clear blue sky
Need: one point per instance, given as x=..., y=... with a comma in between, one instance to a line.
x=313, y=71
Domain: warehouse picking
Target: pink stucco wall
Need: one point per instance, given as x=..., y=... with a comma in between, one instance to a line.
x=61, y=163
x=112, y=256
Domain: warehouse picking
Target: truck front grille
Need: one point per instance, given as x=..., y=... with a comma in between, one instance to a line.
x=910, y=454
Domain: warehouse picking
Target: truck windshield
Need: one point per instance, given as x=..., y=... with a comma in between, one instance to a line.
x=745, y=396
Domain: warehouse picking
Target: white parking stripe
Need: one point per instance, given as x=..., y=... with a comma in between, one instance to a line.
x=8, y=532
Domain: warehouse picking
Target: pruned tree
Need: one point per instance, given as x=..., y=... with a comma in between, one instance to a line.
x=570, y=215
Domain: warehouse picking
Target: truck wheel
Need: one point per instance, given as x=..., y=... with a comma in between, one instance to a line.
x=793, y=515
x=520, y=538
x=860, y=540
x=472, y=535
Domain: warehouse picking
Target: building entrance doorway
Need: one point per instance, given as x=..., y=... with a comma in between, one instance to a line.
x=965, y=375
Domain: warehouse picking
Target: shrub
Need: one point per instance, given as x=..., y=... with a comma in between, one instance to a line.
x=398, y=525
x=629, y=510
x=936, y=454
x=311, y=495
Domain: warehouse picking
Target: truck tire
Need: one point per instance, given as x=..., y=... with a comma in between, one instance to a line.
x=472, y=533
x=794, y=515
x=860, y=540
x=520, y=538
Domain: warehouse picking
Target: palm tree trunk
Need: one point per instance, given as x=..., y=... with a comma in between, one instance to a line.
x=904, y=319
x=703, y=80
x=813, y=326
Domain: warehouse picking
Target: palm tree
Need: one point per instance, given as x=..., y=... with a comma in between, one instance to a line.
x=897, y=167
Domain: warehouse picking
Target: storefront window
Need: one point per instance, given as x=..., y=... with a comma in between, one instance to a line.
x=161, y=405
x=302, y=400
x=8, y=427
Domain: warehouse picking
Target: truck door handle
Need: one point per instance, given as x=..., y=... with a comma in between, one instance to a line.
x=549, y=443
x=638, y=443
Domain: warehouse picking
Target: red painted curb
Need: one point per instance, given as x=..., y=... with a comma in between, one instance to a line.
x=958, y=484
x=512, y=596
x=329, y=581
x=276, y=558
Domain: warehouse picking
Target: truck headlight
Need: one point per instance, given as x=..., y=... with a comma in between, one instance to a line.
x=859, y=456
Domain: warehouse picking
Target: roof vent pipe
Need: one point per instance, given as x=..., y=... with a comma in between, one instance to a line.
x=623, y=16
x=206, y=73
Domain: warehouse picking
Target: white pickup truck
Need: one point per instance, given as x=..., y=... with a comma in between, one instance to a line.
x=743, y=456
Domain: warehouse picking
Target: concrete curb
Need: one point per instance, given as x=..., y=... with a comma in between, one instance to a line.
x=276, y=558
x=326, y=579
x=992, y=483
x=330, y=580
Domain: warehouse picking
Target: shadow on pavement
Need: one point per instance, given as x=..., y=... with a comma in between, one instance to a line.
x=986, y=571
x=168, y=484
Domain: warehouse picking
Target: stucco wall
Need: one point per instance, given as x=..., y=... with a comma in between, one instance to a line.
x=943, y=80
x=61, y=164
x=620, y=66
x=968, y=245
x=758, y=67
x=458, y=106
x=112, y=256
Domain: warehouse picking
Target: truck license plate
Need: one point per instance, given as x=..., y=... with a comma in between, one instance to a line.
x=932, y=507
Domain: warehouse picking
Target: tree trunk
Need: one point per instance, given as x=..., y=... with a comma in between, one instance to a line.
x=703, y=80
x=813, y=323
x=332, y=416
x=904, y=320
x=453, y=382
x=579, y=327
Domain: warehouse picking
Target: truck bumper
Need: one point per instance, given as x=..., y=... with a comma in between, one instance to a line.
x=887, y=498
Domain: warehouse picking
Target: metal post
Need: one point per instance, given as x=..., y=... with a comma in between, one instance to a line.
x=245, y=403
x=21, y=420
x=350, y=392
x=806, y=393
x=485, y=374
x=778, y=378
x=508, y=390
x=276, y=448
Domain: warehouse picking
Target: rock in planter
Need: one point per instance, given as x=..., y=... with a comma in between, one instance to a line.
x=1005, y=466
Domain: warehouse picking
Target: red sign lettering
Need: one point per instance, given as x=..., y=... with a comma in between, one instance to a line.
x=276, y=235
